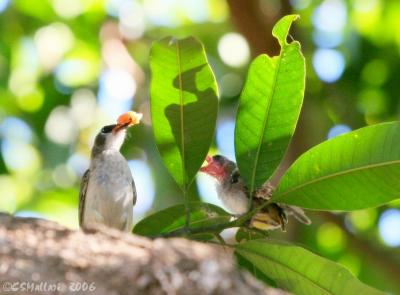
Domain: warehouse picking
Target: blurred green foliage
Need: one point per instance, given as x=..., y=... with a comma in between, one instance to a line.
x=69, y=67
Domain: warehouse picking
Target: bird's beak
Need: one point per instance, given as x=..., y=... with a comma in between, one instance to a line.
x=213, y=168
x=127, y=120
x=209, y=161
x=119, y=127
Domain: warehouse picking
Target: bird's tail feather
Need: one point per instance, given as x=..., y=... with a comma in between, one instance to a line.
x=297, y=213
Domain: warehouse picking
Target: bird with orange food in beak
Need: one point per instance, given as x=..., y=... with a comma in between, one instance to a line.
x=235, y=196
x=108, y=194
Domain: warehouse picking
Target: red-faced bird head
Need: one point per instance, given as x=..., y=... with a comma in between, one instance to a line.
x=218, y=167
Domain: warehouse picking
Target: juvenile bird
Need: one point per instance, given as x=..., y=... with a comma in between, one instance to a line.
x=235, y=196
x=108, y=194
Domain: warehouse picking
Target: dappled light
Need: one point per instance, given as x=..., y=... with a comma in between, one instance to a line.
x=389, y=227
x=234, y=50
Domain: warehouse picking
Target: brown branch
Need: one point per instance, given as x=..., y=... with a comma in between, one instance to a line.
x=255, y=25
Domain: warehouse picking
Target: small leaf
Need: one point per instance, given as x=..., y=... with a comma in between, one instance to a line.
x=269, y=108
x=184, y=105
x=353, y=171
x=300, y=271
x=173, y=218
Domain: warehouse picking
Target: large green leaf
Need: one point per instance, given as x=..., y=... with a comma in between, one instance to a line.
x=184, y=105
x=269, y=108
x=356, y=170
x=250, y=267
x=173, y=218
x=300, y=271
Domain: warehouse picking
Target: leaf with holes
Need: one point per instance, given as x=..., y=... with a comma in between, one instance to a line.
x=353, y=171
x=269, y=108
x=298, y=270
x=184, y=105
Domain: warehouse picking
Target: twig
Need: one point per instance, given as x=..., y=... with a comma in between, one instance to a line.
x=219, y=244
x=184, y=231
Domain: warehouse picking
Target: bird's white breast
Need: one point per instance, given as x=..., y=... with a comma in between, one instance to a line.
x=109, y=197
x=235, y=201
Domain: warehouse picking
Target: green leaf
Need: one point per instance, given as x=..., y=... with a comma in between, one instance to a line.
x=269, y=108
x=300, y=271
x=173, y=218
x=356, y=170
x=184, y=105
x=250, y=267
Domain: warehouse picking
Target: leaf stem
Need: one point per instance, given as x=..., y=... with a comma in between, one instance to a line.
x=187, y=210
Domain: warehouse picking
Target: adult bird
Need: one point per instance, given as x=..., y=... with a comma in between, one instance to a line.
x=235, y=196
x=108, y=194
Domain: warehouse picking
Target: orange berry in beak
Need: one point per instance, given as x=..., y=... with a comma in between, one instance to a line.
x=129, y=118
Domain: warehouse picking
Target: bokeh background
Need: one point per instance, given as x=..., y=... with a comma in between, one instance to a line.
x=67, y=67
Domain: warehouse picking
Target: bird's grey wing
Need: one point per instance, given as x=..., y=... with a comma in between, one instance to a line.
x=134, y=192
x=82, y=195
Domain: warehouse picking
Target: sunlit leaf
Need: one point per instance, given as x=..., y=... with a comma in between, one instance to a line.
x=183, y=105
x=269, y=108
x=299, y=270
x=356, y=170
x=173, y=218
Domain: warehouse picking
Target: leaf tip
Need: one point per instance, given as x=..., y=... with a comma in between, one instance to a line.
x=282, y=27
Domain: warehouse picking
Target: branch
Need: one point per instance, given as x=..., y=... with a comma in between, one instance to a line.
x=242, y=220
x=45, y=254
x=255, y=25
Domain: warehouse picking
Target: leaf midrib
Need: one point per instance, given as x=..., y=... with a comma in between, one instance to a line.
x=286, y=266
x=340, y=173
x=182, y=123
x=266, y=119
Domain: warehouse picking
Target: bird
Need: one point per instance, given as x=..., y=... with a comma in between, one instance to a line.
x=107, y=192
x=234, y=195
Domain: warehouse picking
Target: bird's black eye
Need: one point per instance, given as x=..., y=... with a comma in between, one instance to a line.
x=235, y=176
x=108, y=128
